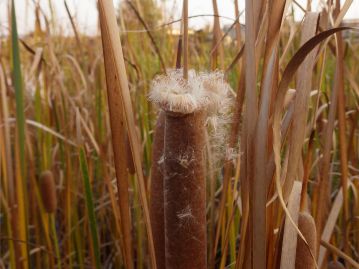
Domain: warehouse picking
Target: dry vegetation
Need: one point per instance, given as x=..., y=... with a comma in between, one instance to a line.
x=262, y=176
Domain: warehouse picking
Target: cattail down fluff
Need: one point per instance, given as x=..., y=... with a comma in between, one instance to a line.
x=202, y=91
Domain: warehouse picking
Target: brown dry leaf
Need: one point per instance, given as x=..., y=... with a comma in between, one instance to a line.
x=340, y=253
x=289, y=245
x=288, y=74
x=113, y=53
x=301, y=103
x=251, y=114
x=329, y=225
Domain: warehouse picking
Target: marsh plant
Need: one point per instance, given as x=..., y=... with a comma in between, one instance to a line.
x=144, y=147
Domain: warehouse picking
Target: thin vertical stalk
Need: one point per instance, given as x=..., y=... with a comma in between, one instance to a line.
x=156, y=48
x=217, y=47
x=185, y=39
x=74, y=28
x=8, y=173
x=251, y=113
x=342, y=134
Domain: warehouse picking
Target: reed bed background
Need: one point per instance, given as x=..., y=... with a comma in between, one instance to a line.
x=81, y=156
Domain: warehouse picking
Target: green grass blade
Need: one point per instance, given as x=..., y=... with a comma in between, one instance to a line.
x=22, y=193
x=20, y=115
x=90, y=208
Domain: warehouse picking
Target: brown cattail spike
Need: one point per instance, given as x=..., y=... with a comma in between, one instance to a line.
x=157, y=195
x=48, y=191
x=188, y=106
x=185, y=191
x=304, y=258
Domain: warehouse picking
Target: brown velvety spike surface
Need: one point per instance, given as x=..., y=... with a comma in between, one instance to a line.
x=185, y=193
x=304, y=259
x=156, y=199
x=48, y=191
x=335, y=265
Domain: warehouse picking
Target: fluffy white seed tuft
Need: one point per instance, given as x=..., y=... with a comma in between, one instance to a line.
x=202, y=91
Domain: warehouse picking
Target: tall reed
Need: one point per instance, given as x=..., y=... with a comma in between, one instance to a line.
x=290, y=155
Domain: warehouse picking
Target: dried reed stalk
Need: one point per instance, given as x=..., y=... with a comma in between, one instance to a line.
x=153, y=41
x=342, y=132
x=301, y=103
x=348, y=260
x=185, y=38
x=121, y=103
x=48, y=191
x=303, y=257
x=217, y=55
x=120, y=149
x=256, y=248
x=330, y=225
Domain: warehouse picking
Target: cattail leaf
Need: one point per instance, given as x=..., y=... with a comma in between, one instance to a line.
x=301, y=103
x=119, y=145
x=21, y=179
x=289, y=245
x=340, y=253
x=110, y=36
x=19, y=95
x=330, y=225
x=90, y=208
x=290, y=70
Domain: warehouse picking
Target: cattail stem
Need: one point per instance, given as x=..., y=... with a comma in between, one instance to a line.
x=157, y=195
x=185, y=39
x=185, y=192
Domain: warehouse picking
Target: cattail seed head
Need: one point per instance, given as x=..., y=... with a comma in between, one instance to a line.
x=203, y=91
x=157, y=193
x=189, y=106
x=48, y=191
x=304, y=258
